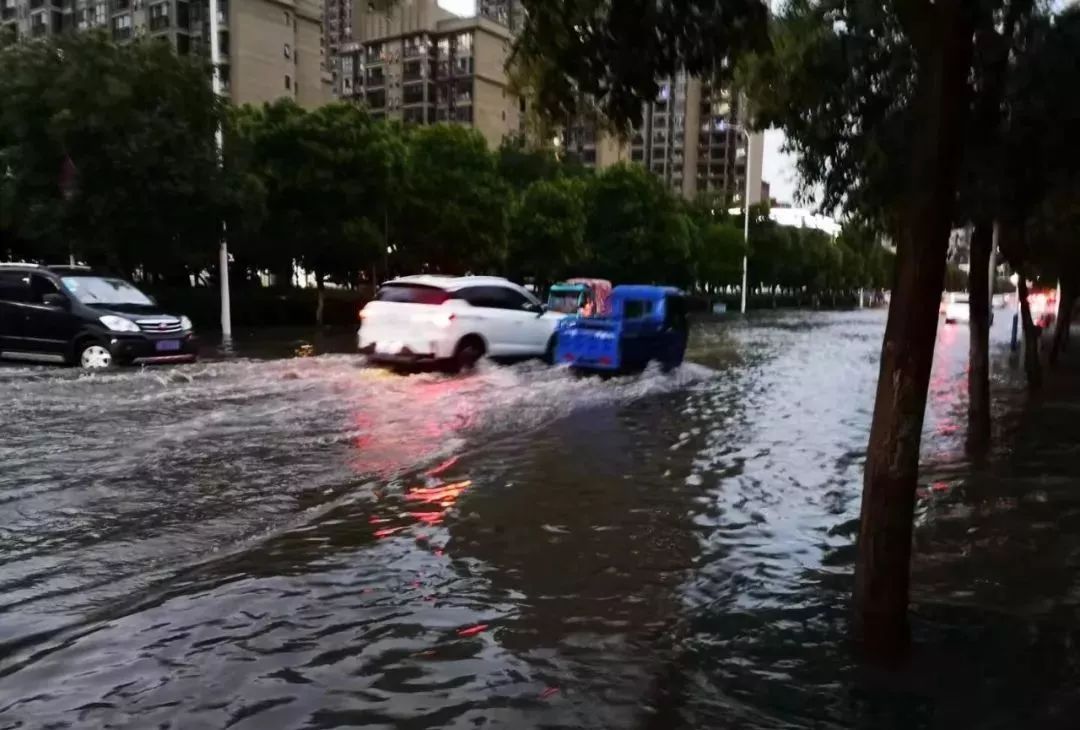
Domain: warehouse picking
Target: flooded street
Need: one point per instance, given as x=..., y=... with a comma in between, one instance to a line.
x=308, y=543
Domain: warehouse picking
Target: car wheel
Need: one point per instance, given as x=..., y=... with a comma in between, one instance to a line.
x=94, y=356
x=468, y=353
x=549, y=353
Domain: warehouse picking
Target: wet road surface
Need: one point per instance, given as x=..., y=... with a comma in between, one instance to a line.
x=309, y=543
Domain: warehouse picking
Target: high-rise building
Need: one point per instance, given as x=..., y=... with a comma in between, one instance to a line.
x=510, y=13
x=337, y=25
x=685, y=138
x=269, y=48
x=420, y=64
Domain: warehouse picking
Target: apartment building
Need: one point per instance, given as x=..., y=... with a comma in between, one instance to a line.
x=510, y=13
x=685, y=138
x=421, y=64
x=337, y=25
x=269, y=48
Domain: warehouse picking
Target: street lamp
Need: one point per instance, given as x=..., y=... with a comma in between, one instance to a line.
x=724, y=126
x=223, y=251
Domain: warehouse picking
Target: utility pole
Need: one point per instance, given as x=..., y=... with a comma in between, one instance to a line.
x=223, y=251
x=746, y=206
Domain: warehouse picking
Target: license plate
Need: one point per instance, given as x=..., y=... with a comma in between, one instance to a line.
x=168, y=345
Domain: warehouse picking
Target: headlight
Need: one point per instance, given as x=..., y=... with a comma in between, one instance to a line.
x=119, y=324
x=185, y=324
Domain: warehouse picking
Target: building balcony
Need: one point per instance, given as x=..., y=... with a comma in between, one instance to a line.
x=159, y=23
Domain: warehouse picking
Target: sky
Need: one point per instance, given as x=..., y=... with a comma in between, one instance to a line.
x=778, y=169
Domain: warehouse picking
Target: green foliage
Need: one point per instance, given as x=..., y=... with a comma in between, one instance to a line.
x=332, y=189
x=455, y=214
x=719, y=253
x=637, y=229
x=128, y=133
x=574, y=53
x=330, y=178
x=521, y=166
x=548, y=230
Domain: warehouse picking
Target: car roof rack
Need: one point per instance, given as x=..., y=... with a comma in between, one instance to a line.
x=20, y=264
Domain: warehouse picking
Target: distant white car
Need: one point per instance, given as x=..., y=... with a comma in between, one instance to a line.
x=958, y=309
x=455, y=320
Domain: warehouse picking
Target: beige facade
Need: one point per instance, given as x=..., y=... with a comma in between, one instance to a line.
x=270, y=48
x=421, y=64
x=275, y=51
x=685, y=138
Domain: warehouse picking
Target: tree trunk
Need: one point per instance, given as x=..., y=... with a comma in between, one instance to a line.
x=882, y=571
x=1032, y=366
x=320, y=289
x=1064, y=319
x=982, y=242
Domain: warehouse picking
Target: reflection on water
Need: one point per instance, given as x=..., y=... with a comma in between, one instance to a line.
x=310, y=543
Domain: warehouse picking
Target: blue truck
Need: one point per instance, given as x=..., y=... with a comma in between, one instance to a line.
x=645, y=324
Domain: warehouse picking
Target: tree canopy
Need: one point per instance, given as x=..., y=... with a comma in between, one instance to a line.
x=109, y=151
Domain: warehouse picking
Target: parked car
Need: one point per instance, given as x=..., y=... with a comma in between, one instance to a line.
x=71, y=315
x=646, y=324
x=454, y=320
x=958, y=309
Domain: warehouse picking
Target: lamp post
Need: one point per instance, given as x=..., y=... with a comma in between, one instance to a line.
x=724, y=126
x=223, y=251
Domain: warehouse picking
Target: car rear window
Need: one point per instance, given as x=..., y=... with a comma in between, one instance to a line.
x=411, y=294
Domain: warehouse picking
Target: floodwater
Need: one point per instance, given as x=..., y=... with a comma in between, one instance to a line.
x=308, y=543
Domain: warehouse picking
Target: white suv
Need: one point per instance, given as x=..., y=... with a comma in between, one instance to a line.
x=440, y=319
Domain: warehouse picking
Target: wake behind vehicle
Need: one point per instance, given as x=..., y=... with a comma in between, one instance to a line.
x=69, y=314
x=646, y=324
x=441, y=320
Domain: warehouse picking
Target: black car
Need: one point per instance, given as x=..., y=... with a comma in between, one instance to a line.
x=69, y=314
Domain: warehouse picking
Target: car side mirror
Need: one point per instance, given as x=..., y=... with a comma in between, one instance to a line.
x=539, y=309
x=58, y=301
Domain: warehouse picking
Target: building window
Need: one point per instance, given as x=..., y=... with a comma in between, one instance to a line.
x=413, y=94
x=288, y=51
x=118, y=5
x=288, y=18
x=183, y=44
x=288, y=82
x=121, y=27
x=376, y=99
x=159, y=16
x=38, y=25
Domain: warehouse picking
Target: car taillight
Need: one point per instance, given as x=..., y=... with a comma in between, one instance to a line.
x=605, y=360
x=569, y=357
x=360, y=315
